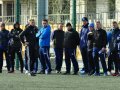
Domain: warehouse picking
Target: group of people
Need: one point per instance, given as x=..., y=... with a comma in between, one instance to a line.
x=92, y=42
x=96, y=45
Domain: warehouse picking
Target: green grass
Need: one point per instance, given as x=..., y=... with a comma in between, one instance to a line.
x=19, y=81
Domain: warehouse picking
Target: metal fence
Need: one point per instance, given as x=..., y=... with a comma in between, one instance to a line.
x=54, y=19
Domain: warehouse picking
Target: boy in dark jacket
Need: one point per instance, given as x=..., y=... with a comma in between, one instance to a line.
x=71, y=41
x=15, y=46
x=4, y=46
x=90, y=41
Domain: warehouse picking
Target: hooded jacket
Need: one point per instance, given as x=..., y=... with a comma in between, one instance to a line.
x=83, y=36
x=14, y=40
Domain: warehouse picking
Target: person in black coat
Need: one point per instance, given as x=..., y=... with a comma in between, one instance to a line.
x=71, y=40
x=99, y=49
x=58, y=42
x=28, y=38
x=4, y=46
x=112, y=55
x=15, y=46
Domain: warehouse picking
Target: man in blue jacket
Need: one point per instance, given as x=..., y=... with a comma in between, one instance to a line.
x=4, y=46
x=83, y=44
x=44, y=43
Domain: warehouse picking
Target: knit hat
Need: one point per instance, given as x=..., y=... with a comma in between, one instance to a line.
x=91, y=25
x=85, y=19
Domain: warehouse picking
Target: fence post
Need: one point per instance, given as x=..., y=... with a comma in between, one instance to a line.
x=74, y=14
x=18, y=10
x=42, y=11
x=17, y=20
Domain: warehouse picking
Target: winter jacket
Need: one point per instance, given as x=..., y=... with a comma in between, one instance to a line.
x=71, y=39
x=4, y=39
x=58, y=38
x=100, y=39
x=44, y=36
x=83, y=36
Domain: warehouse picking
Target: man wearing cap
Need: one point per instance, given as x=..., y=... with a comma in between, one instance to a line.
x=83, y=44
x=71, y=41
x=90, y=38
x=15, y=46
x=4, y=46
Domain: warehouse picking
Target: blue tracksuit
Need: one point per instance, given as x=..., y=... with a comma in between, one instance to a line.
x=83, y=46
x=44, y=43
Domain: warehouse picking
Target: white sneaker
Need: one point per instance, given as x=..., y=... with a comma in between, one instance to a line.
x=26, y=72
x=46, y=71
x=29, y=74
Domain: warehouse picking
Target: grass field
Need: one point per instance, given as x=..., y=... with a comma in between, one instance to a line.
x=19, y=81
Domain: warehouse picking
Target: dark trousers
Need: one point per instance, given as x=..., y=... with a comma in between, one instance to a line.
x=85, y=59
x=112, y=60
x=96, y=57
x=45, y=58
x=58, y=58
x=17, y=51
x=31, y=57
x=71, y=56
x=27, y=62
x=91, y=61
x=7, y=59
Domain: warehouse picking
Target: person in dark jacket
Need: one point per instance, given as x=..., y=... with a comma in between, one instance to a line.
x=112, y=57
x=83, y=45
x=112, y=49
x=117, y=45
x=90, y=37
x=99, y=49
x=4, y=46
x=28, y=38
x=71, y=40
x=58, y=42
x=27, y=56
x=15, y=46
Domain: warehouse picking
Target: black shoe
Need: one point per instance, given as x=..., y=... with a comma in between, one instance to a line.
x=32, y=74
x=10, y=71
x=75, y=73
x=41, y=72
x=21, y=71
x=0, y=71
x=58, y=72
x=66, y=73
x=91, y=73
